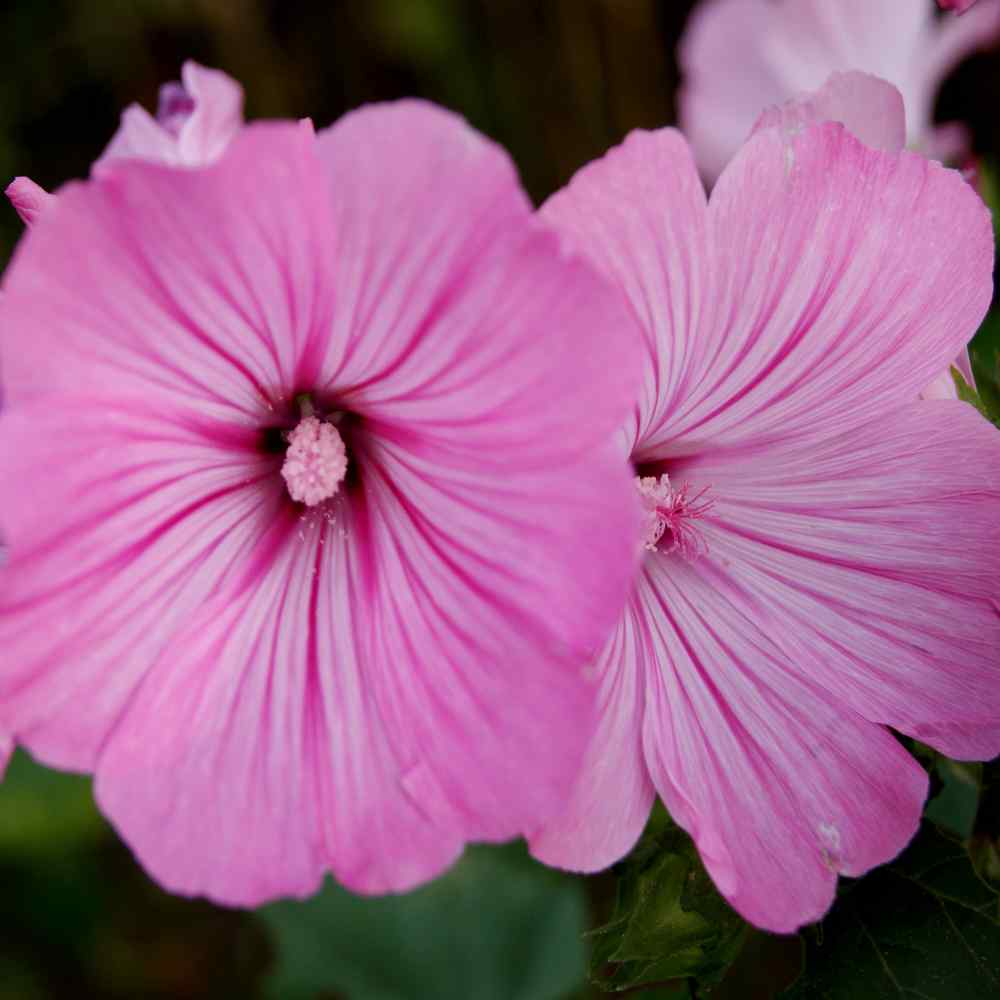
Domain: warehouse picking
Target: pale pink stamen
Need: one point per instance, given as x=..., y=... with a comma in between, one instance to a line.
x=315, y=463
x=669, y=515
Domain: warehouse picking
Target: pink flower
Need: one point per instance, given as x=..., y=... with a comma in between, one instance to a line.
x=842, y=573
x=873, y=110
x=740, y=56
x=196, y=119
x=371, y=320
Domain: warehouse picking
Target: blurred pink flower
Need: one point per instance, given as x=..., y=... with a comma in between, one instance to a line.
x=843, y=571
x=740, y=56
x=873, y=110
x=196, y=119
x=368, y=679
x=959, y=6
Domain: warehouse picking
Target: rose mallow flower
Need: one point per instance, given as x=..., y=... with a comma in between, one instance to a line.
x=196, y=119
x=740, y=56
x=821, y=550
x=311, y=503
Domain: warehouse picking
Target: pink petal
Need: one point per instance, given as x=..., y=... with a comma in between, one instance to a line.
x=959, y=6
x=153, y=320
x=184, y=286
x=613, y=793
x=818, y=291
x=29, y=200
x=191, y=138
x=640, y=214
x=869, y=107
x=217, y=115
x=873, y=111
x=741, y=56
x=877, y=549
x=287, y=764
x=727, y=79
x=779, y=785
x=444, y=280
x=943, y=387
x=147, y=515
x=348, y=700
x=853, y=303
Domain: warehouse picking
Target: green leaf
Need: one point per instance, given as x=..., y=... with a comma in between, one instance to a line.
x=669, y=923
x=44, y=811
x=984, y=847
x=956, y=804
x=498, y=925
x=924, y=927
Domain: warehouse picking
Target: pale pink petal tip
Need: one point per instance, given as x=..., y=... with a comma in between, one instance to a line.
x=943, y=387
x=195, y=121
x=869, y=107
x=958, y=6
x=29, y=200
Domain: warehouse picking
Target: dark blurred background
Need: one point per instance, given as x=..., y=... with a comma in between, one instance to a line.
x=555, y=81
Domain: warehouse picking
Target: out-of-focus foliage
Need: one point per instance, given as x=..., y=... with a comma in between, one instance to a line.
x=956, y=804
x=496, y=927
x=79, y=919
x=924, y=927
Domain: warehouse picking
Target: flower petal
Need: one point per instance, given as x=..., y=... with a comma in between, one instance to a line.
x=640, y=214
x=779, y=785
x=121, y=521
x=872, y=110
x=878, y=547
x=444, y=278
x=376, y=692
x=717, y=113
x=819, y=291
x=869, y=107
x=184, y=286
x=613, y=792
x=194, y=137
x=740, y=56
x=847, y=280
x=288, y=764
x=29, y=200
